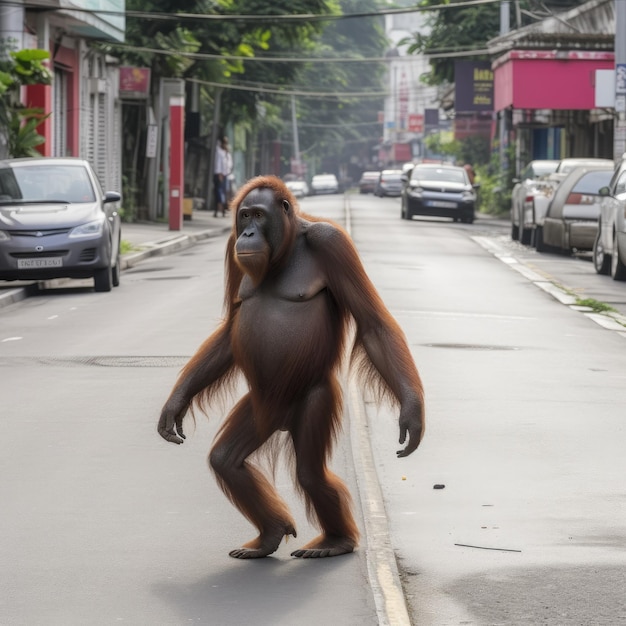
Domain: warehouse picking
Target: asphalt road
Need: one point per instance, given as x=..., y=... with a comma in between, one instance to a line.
x=103, y=522
x=525, y=429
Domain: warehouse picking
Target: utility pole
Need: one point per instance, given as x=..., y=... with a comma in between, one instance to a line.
x=296, y=140
x=619, y=128
x=505, y=26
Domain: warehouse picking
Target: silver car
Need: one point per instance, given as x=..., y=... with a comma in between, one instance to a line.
x=571, y=220
x=57, y=222
x=609, y=250
x=324, y=183
x=439, y=190
x=535, y=206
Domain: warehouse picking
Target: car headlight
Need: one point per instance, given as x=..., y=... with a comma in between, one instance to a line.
x=4, y=236
x=416, y=191
x=468, y=196
x=91, y=229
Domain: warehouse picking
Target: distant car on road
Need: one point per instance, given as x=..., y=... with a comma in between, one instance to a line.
x=298, y=188
x=609, y=250
x=571, y=220
x=57, y=222
x=535, y=207
x=389, y=183
x=524, y=189
x=368, y=181
x=438, y=190
x=324, y=183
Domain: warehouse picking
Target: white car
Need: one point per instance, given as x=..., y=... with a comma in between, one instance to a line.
x=324, y=183
x=298, y=188
x=609, y=250
x=535, y=206
x=527, y=186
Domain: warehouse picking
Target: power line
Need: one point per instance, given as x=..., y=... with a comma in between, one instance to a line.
x=300, y=17
x=265, y=59
x=293, y=92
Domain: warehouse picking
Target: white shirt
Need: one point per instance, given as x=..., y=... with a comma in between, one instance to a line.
x=223, y=161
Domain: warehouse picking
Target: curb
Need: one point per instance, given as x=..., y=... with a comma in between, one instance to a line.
x=161, y=247
x=610, y=320
x=169, y=245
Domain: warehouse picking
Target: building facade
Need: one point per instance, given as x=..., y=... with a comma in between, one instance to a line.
x=82, y=103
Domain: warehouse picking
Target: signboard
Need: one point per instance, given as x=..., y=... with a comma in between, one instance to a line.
x=134, y=82
x=620, y=78
x=151, y=141
x=416, y=123
x=431, y=118
x=473, y=86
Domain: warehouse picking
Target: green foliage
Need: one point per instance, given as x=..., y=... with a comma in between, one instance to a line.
x=496, y=182
x=474, y=150
x=23, y=137
x=470, y=28
x=596, y=305
x=17, y=123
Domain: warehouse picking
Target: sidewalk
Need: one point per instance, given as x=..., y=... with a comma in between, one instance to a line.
x=155, y=238
x=147, y=239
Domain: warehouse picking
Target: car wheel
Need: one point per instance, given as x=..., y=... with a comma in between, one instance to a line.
x=103, y=279
x=514, y=232
x=601, y=260
x=618, y=269
x=540, y=246
x=116, y=271
x=403, y=209
x=525, y=236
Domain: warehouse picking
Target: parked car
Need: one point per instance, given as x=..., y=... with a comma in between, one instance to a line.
x=57, y=222
x=368, y=182
x=389, y=183
x=438, y=190
x=609, y=250
x=324, y=183
x=571, y=220
x=525, y=188
x=298, y=188
x=534, y=208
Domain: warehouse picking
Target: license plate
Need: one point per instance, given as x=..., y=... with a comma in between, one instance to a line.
x=442, y=205
x=34, y=264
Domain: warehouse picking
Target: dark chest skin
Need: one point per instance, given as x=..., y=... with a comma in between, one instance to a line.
x=283, y=319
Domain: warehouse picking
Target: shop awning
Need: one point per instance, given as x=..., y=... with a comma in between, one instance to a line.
x=548, y=79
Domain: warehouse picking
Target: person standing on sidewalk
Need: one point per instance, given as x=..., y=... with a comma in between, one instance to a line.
x=223, y=167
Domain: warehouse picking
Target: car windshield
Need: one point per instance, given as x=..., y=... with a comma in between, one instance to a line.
x=438, y=173
x=45, y=182
x=591, y=182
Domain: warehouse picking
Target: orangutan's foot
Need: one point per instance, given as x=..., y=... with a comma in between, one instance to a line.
x=264, y=544
x=325, y=545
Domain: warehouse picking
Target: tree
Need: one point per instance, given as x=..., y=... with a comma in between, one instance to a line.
x=18, y=124
x=202, y=50
x=469, y=28
x=335, y=129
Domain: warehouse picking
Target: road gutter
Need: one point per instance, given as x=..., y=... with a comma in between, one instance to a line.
x=609, y=321
x=382, y=567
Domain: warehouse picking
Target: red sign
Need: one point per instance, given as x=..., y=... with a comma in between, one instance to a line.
x=402, y=152
x=416, y=123
x=135, y=80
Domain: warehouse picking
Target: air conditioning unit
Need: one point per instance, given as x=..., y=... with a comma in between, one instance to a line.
x=97, y=85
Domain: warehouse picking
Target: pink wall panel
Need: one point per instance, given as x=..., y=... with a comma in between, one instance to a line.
x=542, y=80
